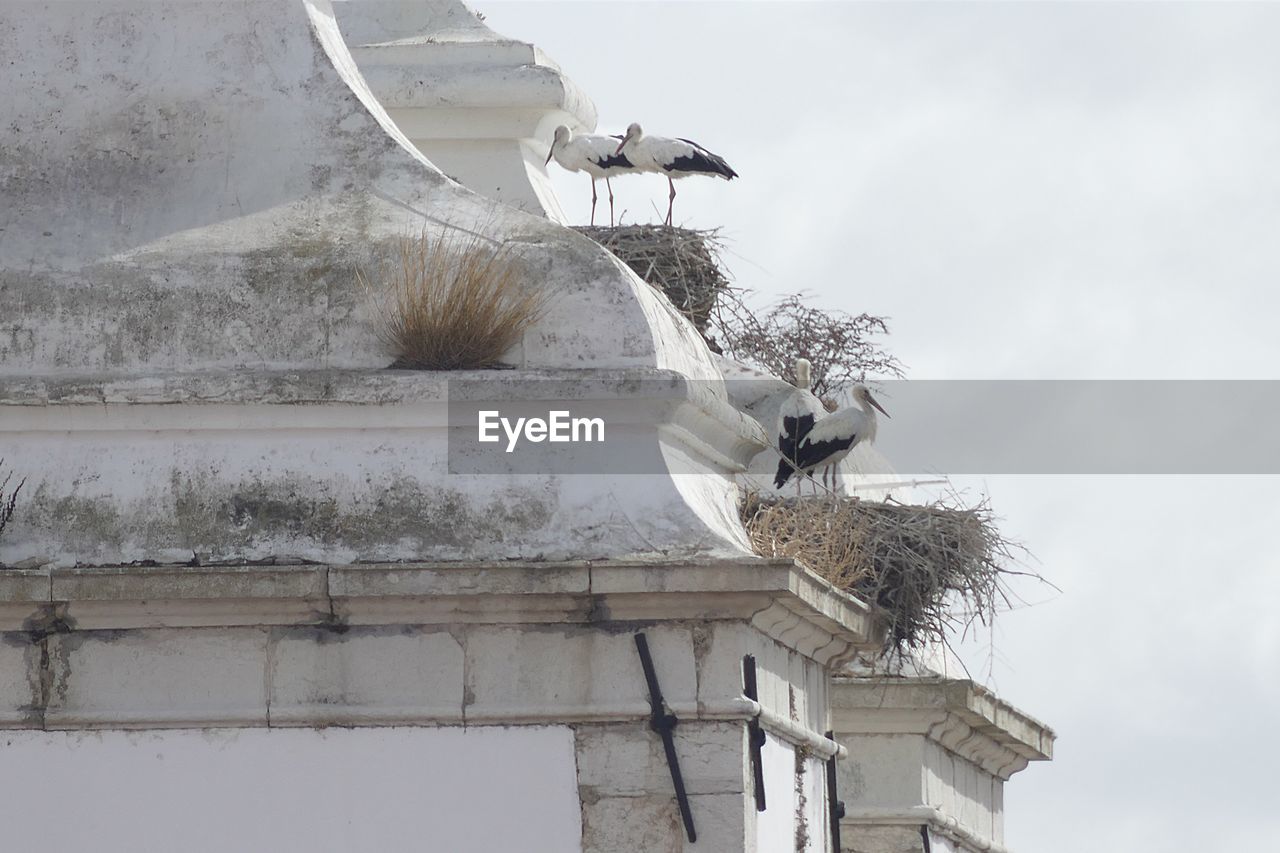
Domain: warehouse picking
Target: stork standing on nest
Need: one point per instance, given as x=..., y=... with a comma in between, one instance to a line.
x=834, y=436
x=797, y=416
x=598, y=156
x=675, y=158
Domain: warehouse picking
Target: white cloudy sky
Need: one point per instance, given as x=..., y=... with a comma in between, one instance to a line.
x=1029, y=190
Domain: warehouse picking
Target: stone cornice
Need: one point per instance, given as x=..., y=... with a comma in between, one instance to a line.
x=778, y=598
x=963, y=717
x=937, y=821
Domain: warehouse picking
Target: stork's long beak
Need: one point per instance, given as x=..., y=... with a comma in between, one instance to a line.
x=622, y=144
x=872, y=401
x=550, y=150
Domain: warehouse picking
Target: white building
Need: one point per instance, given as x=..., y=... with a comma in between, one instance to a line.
x=252, y=601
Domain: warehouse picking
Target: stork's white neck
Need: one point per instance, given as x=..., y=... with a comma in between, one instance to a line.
x=869, y=411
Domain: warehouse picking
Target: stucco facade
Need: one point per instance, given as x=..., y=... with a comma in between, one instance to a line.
x=240, y=532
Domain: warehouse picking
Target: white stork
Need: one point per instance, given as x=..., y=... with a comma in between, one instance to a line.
x=675, y=158
x=833, y=437
x=596, y=155
x=797, y=416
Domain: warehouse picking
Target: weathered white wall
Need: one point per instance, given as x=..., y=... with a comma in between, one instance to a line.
x=191, y=364
x=795, y=817
x=209, y=183
x=543, y=648
x=928, y=752
x=292, y=790
x=776, y=825
x=480, y=105
x=366, y=477
x=191, y=371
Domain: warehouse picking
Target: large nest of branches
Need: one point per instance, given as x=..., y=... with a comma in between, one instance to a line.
x=686, y=266
x=841, y=347
x=681, y=262
x=930, y=569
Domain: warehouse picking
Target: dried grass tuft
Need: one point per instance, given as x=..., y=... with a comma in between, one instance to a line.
x=930, y=569
x=8, y=504
x=681, y=262
x=453, y=302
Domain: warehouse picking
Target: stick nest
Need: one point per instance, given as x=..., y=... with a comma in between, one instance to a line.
x=929, y=569
x=681, y=262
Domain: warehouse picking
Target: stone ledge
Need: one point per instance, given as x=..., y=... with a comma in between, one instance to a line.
x=377, y=645
x=910, y=820
x=965, y=718
x=23, y=586
x=779, y=598
x=374, y=385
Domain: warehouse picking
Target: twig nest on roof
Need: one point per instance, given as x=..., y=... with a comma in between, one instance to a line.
x=681, y=262
x=929, y=569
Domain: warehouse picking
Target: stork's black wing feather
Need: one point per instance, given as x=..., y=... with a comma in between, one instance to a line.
x=614, y=161
x=812, y=454
x=702, y=160
x=794, y=429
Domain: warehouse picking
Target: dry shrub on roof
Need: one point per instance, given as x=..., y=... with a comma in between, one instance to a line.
x=453, y=302
x=841, y=347
x=8, y=499
x=930, y=569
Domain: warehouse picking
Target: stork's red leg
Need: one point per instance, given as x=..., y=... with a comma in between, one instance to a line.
x=610, y=186
x=671, y=199
x=593, y=201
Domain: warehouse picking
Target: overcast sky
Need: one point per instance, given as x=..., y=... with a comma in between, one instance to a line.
x=1029, y=190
